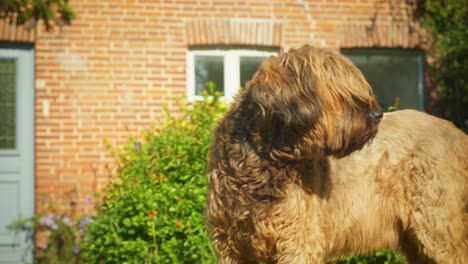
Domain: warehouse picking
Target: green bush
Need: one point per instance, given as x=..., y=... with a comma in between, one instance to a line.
x=445, y=21
x=153, y=212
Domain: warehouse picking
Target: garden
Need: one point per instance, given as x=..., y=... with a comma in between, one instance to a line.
x=153, y=211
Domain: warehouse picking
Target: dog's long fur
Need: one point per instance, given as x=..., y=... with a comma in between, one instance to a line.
x=407, y=189
x=280, y=190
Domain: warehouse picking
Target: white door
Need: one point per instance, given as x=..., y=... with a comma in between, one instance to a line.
x=16, y=147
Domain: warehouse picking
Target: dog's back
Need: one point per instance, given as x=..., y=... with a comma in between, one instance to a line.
x=434, y=147
x=417, y=130
x=411, y=182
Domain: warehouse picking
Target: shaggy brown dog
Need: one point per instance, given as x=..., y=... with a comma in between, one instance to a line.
x=277, y=194
x=266, y=192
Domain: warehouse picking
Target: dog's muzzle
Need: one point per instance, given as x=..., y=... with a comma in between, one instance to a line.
x=376, y=114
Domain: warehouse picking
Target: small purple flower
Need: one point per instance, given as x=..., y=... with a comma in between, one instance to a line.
x=67, y=221
x=137, y=145
x=88, y=201
x=84, y=221
x=44, y=220
x=43, y=246
x=76, y=251
x=54, y=227
x=48, y=221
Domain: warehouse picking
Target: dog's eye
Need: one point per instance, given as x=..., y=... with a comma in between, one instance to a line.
x=362, y=104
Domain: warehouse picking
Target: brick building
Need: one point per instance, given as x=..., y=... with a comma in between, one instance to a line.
x=110, y=73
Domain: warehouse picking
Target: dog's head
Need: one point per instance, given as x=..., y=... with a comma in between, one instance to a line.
x=315, y=94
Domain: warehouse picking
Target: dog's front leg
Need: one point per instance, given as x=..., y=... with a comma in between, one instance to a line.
x=301, y=241
x=299, y=234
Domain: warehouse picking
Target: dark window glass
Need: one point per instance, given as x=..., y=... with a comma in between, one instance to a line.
x=248, y=66
x=392, y=74
x=7, y=104
x=209, y=69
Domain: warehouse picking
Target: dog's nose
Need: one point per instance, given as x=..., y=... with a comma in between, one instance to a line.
x=376, y=114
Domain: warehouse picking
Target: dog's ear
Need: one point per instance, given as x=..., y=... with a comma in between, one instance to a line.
x=284, y=93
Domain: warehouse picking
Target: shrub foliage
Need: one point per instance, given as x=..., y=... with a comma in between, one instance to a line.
x=446, y=21
x=153, y=212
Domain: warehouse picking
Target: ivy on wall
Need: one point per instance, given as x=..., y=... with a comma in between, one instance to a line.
x=29, y=12
x=446, y=21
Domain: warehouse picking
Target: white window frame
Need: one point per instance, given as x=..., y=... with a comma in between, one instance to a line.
x=231, y=69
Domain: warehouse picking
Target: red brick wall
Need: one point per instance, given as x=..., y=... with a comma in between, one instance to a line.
x=110, y=73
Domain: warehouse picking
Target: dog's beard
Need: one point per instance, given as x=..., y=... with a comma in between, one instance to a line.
x=365, y=139
x=349, y=137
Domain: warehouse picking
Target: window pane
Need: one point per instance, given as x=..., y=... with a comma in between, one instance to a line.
x=392, y=74
x=209, y=68
x=7, y=103
x=248, y=66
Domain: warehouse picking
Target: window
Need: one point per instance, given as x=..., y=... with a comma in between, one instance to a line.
x=8, y=104
x=229, y=69
x=392, y=73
